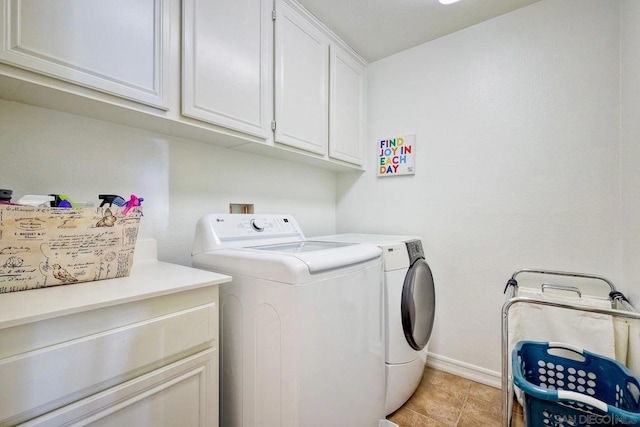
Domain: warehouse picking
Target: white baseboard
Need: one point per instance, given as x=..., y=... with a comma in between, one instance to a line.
x=464, y=370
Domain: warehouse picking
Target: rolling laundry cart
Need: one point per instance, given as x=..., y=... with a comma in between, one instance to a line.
x=618, y=307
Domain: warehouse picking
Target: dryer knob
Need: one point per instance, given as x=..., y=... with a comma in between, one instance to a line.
x=257, y=225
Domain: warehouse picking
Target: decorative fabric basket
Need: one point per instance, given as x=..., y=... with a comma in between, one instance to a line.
x=41, y=246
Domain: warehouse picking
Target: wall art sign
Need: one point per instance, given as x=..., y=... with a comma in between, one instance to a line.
x=396, y=155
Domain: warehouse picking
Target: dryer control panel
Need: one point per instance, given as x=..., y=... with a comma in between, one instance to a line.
x=414, y=248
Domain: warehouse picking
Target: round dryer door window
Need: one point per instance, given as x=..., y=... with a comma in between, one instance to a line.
x=418, y=304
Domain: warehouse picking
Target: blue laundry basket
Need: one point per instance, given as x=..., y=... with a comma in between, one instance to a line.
x=565, y=386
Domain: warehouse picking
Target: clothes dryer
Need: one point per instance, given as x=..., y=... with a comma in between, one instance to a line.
x=409, y=311
x=302, y=339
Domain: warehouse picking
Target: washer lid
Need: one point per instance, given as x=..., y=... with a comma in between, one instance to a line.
x=301, y=246
x=321, y=256
x=292, y=262
x=374, y=239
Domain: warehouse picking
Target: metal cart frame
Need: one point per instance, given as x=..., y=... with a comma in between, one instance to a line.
x=511, y=299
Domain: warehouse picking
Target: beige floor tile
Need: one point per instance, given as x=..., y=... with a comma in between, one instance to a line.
x=517, y=408
x=517, y=416
x=517, y=420
x=446, y=400
x=453, y=384
x=437, y=403
x=477, y=419
x=485, y=393
x=478, y=407
x=405, y=417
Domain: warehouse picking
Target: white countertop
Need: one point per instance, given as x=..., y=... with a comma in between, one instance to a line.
x=148, y=278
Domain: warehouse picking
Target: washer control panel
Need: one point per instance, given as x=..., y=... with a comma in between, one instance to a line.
x=257, y=224
x=242, y=226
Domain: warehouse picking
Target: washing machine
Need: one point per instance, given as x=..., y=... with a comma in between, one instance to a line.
x=301, y=326
x=409, y=311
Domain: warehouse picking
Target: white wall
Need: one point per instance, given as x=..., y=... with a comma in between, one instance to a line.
x=630, y=147
x=517, y=166
x=44, y=151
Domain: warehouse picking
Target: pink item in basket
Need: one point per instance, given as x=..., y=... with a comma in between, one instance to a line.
x=133, y=201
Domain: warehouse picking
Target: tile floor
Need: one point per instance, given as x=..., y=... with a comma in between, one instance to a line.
x=446, y=400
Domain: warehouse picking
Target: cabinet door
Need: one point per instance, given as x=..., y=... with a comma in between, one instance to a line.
x=68, y=370
x=184, y=394
x=116, y=46
x=227, y=64
x=301, y=81
x=347, y=117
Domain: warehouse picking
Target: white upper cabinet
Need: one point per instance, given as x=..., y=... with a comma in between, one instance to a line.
x=319, y=88
x=261, y=76
x=116, y=46
x=227, y=64
x=301, y=81
x=347, y=112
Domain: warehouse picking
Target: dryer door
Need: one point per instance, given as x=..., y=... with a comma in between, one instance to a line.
x=418, y=304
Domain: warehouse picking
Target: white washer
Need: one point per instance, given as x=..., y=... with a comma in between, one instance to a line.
x=410, y=309
x=302, y=335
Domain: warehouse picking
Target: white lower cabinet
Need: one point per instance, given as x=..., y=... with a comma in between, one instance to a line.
x=143, y=360
x=177, y=395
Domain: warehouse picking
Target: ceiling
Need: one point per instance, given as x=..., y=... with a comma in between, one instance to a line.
x=379, y=28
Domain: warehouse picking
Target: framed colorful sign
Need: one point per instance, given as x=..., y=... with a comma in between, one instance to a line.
x=397, y=155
